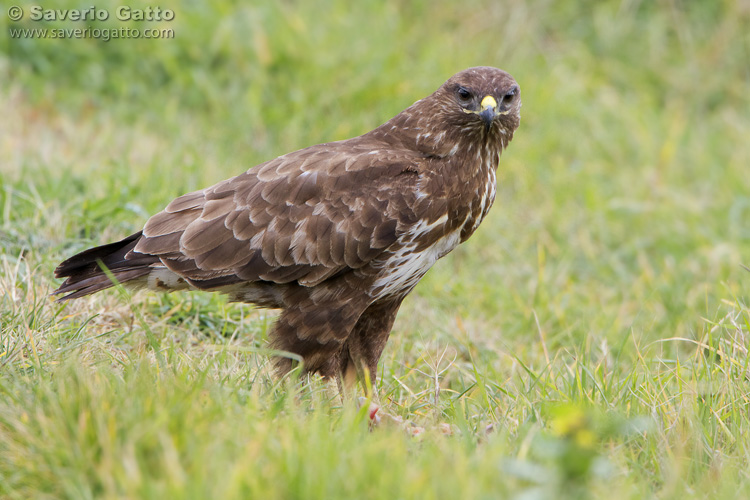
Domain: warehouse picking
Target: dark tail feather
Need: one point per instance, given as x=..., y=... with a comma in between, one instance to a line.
x=84, y=271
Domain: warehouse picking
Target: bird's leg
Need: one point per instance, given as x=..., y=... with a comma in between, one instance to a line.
x=359, y=361
x=314, y=325
x=365, y=344
x=348, y=379
x=363, y=347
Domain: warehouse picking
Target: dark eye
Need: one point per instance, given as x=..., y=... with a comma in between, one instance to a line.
x=463, y=94
x=508, y=98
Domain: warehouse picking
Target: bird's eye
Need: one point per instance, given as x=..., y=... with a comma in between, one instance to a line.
x=508, y=98
x=463, y=94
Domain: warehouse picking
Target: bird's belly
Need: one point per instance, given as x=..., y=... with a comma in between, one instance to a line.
x=403, y=270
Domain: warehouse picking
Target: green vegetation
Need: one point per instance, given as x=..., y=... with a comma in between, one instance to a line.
x=598, y=320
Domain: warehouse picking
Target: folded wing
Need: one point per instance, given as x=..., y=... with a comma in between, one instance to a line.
x=302, y=217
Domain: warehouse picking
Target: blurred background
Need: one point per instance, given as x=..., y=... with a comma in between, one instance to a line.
x=623, y=201
x=608, y=275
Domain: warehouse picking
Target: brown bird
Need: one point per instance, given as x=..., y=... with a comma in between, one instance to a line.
x=334, y=235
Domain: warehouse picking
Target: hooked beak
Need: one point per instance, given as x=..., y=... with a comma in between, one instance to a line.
x=489, y=111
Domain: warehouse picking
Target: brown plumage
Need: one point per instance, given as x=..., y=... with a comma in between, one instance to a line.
x=335, y=235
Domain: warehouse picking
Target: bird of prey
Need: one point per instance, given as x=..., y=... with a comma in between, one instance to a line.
x=335, y=235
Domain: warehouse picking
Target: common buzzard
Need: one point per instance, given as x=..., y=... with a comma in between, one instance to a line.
x=334, y=235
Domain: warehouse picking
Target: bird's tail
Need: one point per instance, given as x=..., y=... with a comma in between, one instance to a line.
x=85, y=271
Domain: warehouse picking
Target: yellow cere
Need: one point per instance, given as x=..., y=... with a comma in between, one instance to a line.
x=489, y=102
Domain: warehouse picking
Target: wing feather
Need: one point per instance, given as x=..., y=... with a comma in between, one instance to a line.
x=304, y=217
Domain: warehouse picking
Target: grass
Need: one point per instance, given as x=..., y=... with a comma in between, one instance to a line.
x=598, y=321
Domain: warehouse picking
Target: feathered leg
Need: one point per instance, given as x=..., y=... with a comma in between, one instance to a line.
x=315, y=327
x=362, y=350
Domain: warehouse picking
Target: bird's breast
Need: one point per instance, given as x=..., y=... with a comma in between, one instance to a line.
x=478, y=191
x=406, y=265
x=469, y=190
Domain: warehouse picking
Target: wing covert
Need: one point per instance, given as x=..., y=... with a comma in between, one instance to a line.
x=304, y=217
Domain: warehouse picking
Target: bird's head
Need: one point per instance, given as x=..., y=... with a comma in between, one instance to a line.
x=476, y=106
x=482, y=98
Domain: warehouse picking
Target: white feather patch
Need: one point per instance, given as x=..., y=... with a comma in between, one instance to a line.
x=407, y=267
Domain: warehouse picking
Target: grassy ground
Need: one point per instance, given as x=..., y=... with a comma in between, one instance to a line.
x=598, y=320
